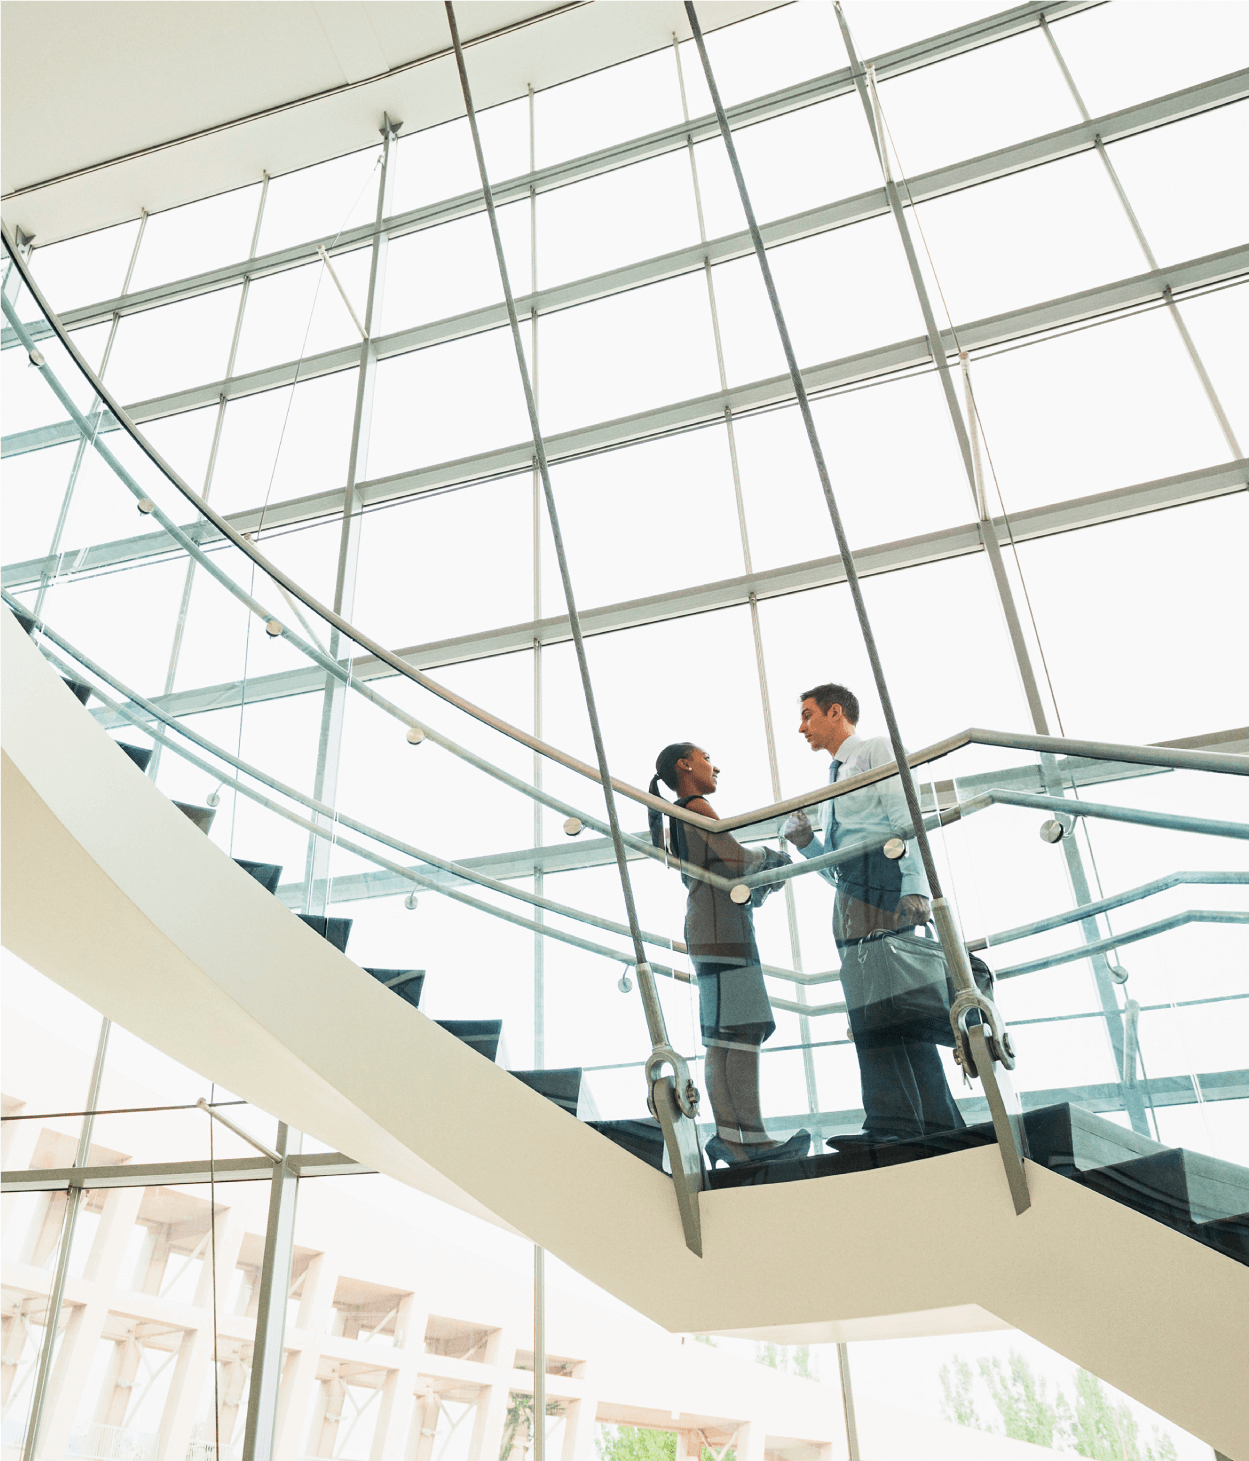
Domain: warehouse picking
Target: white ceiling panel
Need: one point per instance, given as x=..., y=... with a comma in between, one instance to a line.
x=110, y=106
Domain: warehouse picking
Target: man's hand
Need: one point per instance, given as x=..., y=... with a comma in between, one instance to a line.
x=913, y=910
x=797, y=829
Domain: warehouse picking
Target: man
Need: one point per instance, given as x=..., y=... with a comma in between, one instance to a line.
x=905, y=1091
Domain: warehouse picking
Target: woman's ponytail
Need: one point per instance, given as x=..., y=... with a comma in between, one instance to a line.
x=656, y=818
x=666, y=771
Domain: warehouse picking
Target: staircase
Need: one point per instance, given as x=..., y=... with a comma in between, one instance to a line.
x=1126, y=1261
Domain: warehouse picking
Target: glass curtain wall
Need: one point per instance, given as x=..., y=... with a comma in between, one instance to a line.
x=1086, y=263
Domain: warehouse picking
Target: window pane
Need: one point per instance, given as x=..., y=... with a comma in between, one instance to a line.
x=300, y=312
x=449, y=270
x=447, y=402
x=881, y=28
x=764, y=53
x=790, y=164
x=1100, y=590
x=470, y=571
x=82, y=270
x=975, y=103
x=1007, y=244
x=633, y=213
x=842, y=293
x=1121, y=54
x=288, y=443
x=645, y=519
x=626, y=354
x=439, y=162
x=1176, y=179
x=168, y=349
x=609, y=106
x=322, y=200
x=1118, y=404
x=197, y=237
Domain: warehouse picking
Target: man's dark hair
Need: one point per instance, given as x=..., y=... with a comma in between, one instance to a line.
x=826, y=696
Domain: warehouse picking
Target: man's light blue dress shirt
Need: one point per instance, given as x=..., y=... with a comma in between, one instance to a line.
x=872, y=811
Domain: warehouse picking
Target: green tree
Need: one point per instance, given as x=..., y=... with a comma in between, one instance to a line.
x=1027, y=1412
x=958, y=1403
x=789, y=1359
x=518, y=1427
x=629, y=1443
x=1106, y=1431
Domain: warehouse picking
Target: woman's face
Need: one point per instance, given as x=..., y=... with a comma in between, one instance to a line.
x=701, y=776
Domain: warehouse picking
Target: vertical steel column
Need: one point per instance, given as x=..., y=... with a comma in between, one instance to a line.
x=674, y=1099
x=865, y=82
x=275, y=1283
x=847, y=1401
x=539, y=939
x=1132, y=1099
x=1207, y=385
x=73, y=1201
x=175, y=649
x=985, y=1046
x=539, y=914
x=539, y=1354
x=334, y=702
x=791, y=907
x=94, y=415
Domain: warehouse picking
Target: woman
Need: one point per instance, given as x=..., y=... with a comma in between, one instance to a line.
x=734, y=1009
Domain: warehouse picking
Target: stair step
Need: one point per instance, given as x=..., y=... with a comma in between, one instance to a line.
x=1229, y=1236
x=859, y=1157
x=643, y=1138
x=78, y=689
x=1070, y=1140
x=267, y=874
x=201, y=816
x=27, y=621
x=482, y=1035
x=406, y=983
x=1175, y=1186
x=333, y=930
x=563, y=1086
x=140, y=755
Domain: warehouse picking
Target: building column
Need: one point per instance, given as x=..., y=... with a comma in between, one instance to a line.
x=398, y=1403
x=751, y=1441
x=299, y=1373
x=69, y=1376
x=579, y=1426
x=492, y=1402
x=182, y=1401
x=117, y=1220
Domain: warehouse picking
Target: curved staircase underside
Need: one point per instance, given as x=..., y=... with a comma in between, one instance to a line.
x=114, y=894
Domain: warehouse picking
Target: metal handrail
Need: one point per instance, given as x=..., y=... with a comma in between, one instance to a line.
x=1176, y=759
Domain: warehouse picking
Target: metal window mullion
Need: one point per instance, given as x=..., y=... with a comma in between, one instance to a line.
x=1207, y=385
x=95, y=415
x=865, y=82
x=184, y=605
x=275, y=1281
x=539, y=941
x=791, y=907
x=994, y=1075
x=73, y=1202
x=334, y=698
x=674, y=1098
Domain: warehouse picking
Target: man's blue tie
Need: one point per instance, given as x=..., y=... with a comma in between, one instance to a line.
x=830, y=842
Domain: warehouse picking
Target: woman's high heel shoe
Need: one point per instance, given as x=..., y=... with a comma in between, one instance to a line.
x=797, y=1146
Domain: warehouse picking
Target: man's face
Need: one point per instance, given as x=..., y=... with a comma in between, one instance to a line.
x=824, y=730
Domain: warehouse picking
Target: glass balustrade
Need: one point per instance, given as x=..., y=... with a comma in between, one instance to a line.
x=471, y=871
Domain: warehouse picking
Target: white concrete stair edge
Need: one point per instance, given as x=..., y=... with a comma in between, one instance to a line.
x=110, y=891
